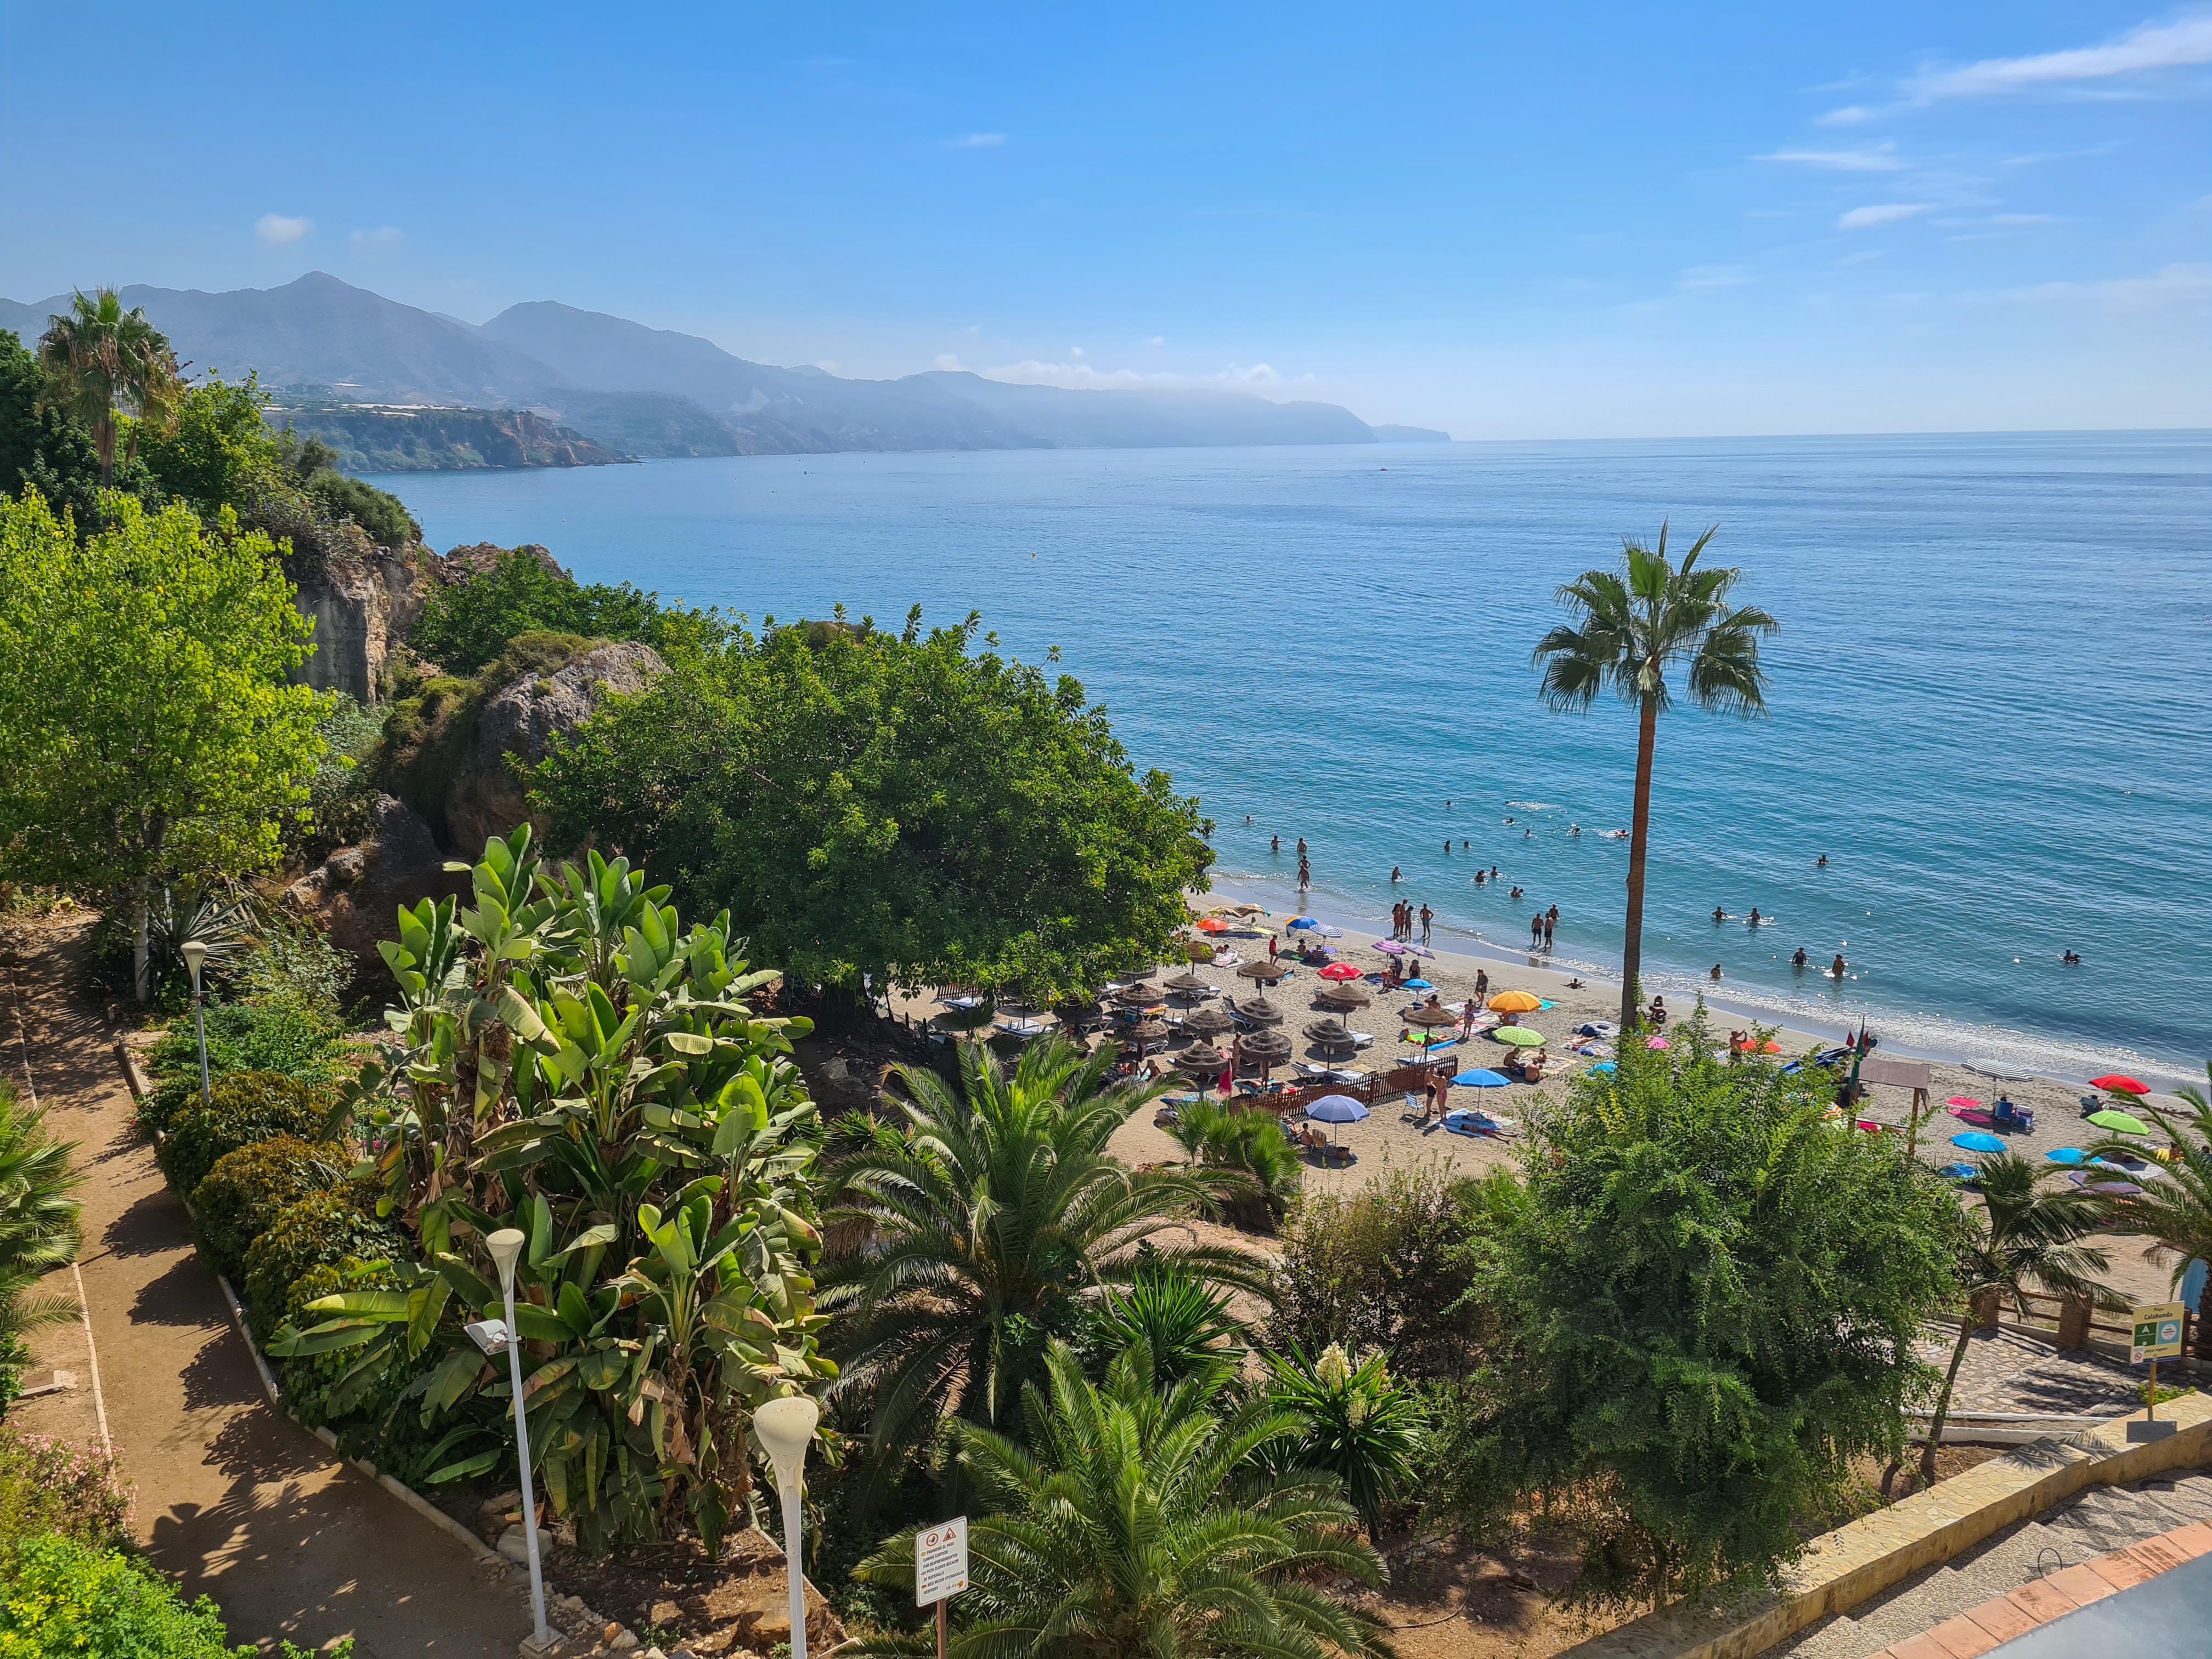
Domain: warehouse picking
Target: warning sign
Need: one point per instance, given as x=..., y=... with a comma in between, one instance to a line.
x=940, y=1561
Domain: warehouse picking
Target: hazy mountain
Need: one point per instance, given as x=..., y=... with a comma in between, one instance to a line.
x=1410, y=435
x=652, y=392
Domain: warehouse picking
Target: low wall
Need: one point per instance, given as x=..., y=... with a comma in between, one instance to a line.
x=1845, y=1567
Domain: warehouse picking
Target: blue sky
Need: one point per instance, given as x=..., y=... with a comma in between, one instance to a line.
x=1517, y=221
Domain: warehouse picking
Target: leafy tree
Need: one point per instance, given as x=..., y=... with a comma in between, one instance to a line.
x=1707, y=1310
x=890, y=805
x=2177, y=1211
x=2024, y=1234
x=105, y=361
x=42, y=446
x=147, y=729
x=464, y=627
x=217, y=452
x=1631, y=626
x=980, y=1227
x=1136, y=1518
x=1360, y=1426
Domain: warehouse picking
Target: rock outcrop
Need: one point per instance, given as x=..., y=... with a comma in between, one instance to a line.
x=353, y=891
x=362, y=601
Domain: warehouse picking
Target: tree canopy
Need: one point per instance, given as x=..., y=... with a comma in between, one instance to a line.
x=1708, y=1307
x=46, y=447
x=147, y=729
x=894, y=806
x=464, y=627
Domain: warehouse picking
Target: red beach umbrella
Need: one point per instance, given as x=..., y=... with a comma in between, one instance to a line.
x=2119, y=1085
x=1340, y=970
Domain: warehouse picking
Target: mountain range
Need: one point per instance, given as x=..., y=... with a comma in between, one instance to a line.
x=649, y=391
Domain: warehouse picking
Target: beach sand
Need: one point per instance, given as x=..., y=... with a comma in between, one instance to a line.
x=1386, y=1139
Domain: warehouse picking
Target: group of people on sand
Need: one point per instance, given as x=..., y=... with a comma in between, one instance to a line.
x=1540, y=925
x=1402, y=918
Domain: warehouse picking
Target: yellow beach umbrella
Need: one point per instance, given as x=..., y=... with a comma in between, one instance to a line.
x=1515, y=1002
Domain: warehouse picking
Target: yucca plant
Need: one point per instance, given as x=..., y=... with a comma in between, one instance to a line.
x=1185, y=1324
x=1359, y=1425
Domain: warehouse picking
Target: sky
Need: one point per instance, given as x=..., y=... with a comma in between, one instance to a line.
x=1508, y=221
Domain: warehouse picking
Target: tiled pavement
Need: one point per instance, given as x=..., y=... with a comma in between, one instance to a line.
x=2007, y=1372
x=2105, y=1539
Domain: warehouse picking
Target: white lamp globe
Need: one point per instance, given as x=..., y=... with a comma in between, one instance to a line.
x=785, y=1428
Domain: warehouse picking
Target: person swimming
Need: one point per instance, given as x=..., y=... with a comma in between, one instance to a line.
x=1478, y=879
x=1717, y=973
x=1394, y=875
x=1821, y=862
x=1516, y=893
x=1755, y=922
x=1836, y=967
x=1719, y=915
x=1798, y=961
x=2073, y=957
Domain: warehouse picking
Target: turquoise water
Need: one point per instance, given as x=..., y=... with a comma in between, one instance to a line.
x=1991, y=708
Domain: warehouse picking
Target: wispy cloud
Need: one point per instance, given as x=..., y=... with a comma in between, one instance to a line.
x=2175, y=287
x=275, y=229
x=1079, y=374
x=2028, y=219
x=1882, y=213
x=1850, y=116
x=1700, y=277
x=977, y=141
x=2145, y=49
x=1840, y=161
x=950, y=362
x=383, y=239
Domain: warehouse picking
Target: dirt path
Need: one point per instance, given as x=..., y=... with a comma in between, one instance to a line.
x=240, y=1503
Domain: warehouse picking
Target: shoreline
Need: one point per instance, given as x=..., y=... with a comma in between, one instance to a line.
x=1456, y=946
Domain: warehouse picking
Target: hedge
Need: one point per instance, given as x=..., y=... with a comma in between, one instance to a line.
x=245, y=1108
x=246, y=1191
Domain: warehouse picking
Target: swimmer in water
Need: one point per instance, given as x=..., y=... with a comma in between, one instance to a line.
x=1836, y=967
x=1516, y=893
x=1525, y=834
x=1717, y=973
x=1798, y=961
x=1477, y=882
x=2073, y=957
x=1574, y=832
x=1821, y=862
x=1755, y=922
x=1394, y=875
x=1719, y=915
x=1274, y=847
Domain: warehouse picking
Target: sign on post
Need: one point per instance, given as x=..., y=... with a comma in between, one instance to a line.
x=2157, y=1332
x=940, y=1561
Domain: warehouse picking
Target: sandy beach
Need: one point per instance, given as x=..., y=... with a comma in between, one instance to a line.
x=1389, y=1137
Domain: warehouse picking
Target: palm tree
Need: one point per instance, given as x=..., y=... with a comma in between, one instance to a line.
x=2022, y=1235
x=2177, y=1211
x=1143, y=1519
x=39, y=1228
x=964, y=1239
x=1630, y=627
x=1186, y=1326
x=103, y=358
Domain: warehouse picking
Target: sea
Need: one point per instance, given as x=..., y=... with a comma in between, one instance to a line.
x=1991, y=707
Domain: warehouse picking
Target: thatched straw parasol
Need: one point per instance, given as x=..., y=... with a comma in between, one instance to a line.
x=1200, y=1060
x=1258, y=1012
x=1138, y=996
x=1145, y=1033
x=1347, y=995
x=1331, y=1035
x=1200, y=949
x=1425, y=1015
x=1270, y=973
x=1267, y=1048
x=1186, y=985
x=1208, y=1022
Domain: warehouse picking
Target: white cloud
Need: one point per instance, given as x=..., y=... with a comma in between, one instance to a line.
x=1157, y=341
x=2149, y=48
x=977, y=141
x=1084, y=376
x=275, y=229
x=1885, y=213
x=1840, y=161
x=1698, y=277
x=950, y=362
x=829, y=367
x=1850, y=116
x=2179, y=285
x=381, y=240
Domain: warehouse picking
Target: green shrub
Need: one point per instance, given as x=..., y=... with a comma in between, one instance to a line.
x=469, y=624
x=49, y=1485
x=318, y=1231
x=309, y=1381
x=341, y=795
x=246, y=1107
x=66, y=1598
x=1250, y=1142
x=288, y=1033
x=246, y=1189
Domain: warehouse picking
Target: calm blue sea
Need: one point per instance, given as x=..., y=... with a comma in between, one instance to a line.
x=1991, y=704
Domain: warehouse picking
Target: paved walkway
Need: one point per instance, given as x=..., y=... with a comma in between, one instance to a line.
x=240, y=1503
x=2004, y=1371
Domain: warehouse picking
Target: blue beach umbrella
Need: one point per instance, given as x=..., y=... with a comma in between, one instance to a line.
x=1299, y=924
x=1336, y=1108
x=2066, y=1155
x=1977, y=1142
x=1410, y=985
x=1960, y=1172
x=1480, y=1079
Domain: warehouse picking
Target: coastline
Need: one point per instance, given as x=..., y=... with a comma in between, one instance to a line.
x=1920, y=1036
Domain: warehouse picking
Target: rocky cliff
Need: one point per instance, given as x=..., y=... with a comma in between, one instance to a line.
x=386, y=438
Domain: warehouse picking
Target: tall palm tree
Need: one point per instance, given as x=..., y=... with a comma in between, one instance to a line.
x=39, y=1228
x=964, y=1239
x=104, y=359
x=1143, y=1519
x=2022, y=1236
x=1631, y=626
x=2177, y=1211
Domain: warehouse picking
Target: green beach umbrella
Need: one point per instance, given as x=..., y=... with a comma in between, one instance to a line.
x=2119, y=1123
x=1519, y=1035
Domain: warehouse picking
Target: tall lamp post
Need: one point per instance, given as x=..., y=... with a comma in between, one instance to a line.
x=194, y=954
x=786, y=1427
x=505, y=1246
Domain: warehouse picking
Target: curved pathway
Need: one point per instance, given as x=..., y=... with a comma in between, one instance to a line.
x=237, y=1501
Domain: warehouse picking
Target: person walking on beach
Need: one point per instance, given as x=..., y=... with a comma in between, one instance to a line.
x=1427, y=916
x=1481, y=984
x=1271, y=947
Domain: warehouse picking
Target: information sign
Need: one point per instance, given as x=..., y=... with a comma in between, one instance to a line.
x=2157, y=1332
x=940, y=1561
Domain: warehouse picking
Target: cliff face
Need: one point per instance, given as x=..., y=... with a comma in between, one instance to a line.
x=377, y=438
x=362, y=600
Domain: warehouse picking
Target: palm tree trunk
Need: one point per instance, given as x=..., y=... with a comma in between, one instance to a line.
x=1647, y=741
x=103, y=436
x=1944, y=1401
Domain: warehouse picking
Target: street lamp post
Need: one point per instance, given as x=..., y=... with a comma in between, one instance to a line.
x=786, y=1427
x=194, y=954
x=505, y=1246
